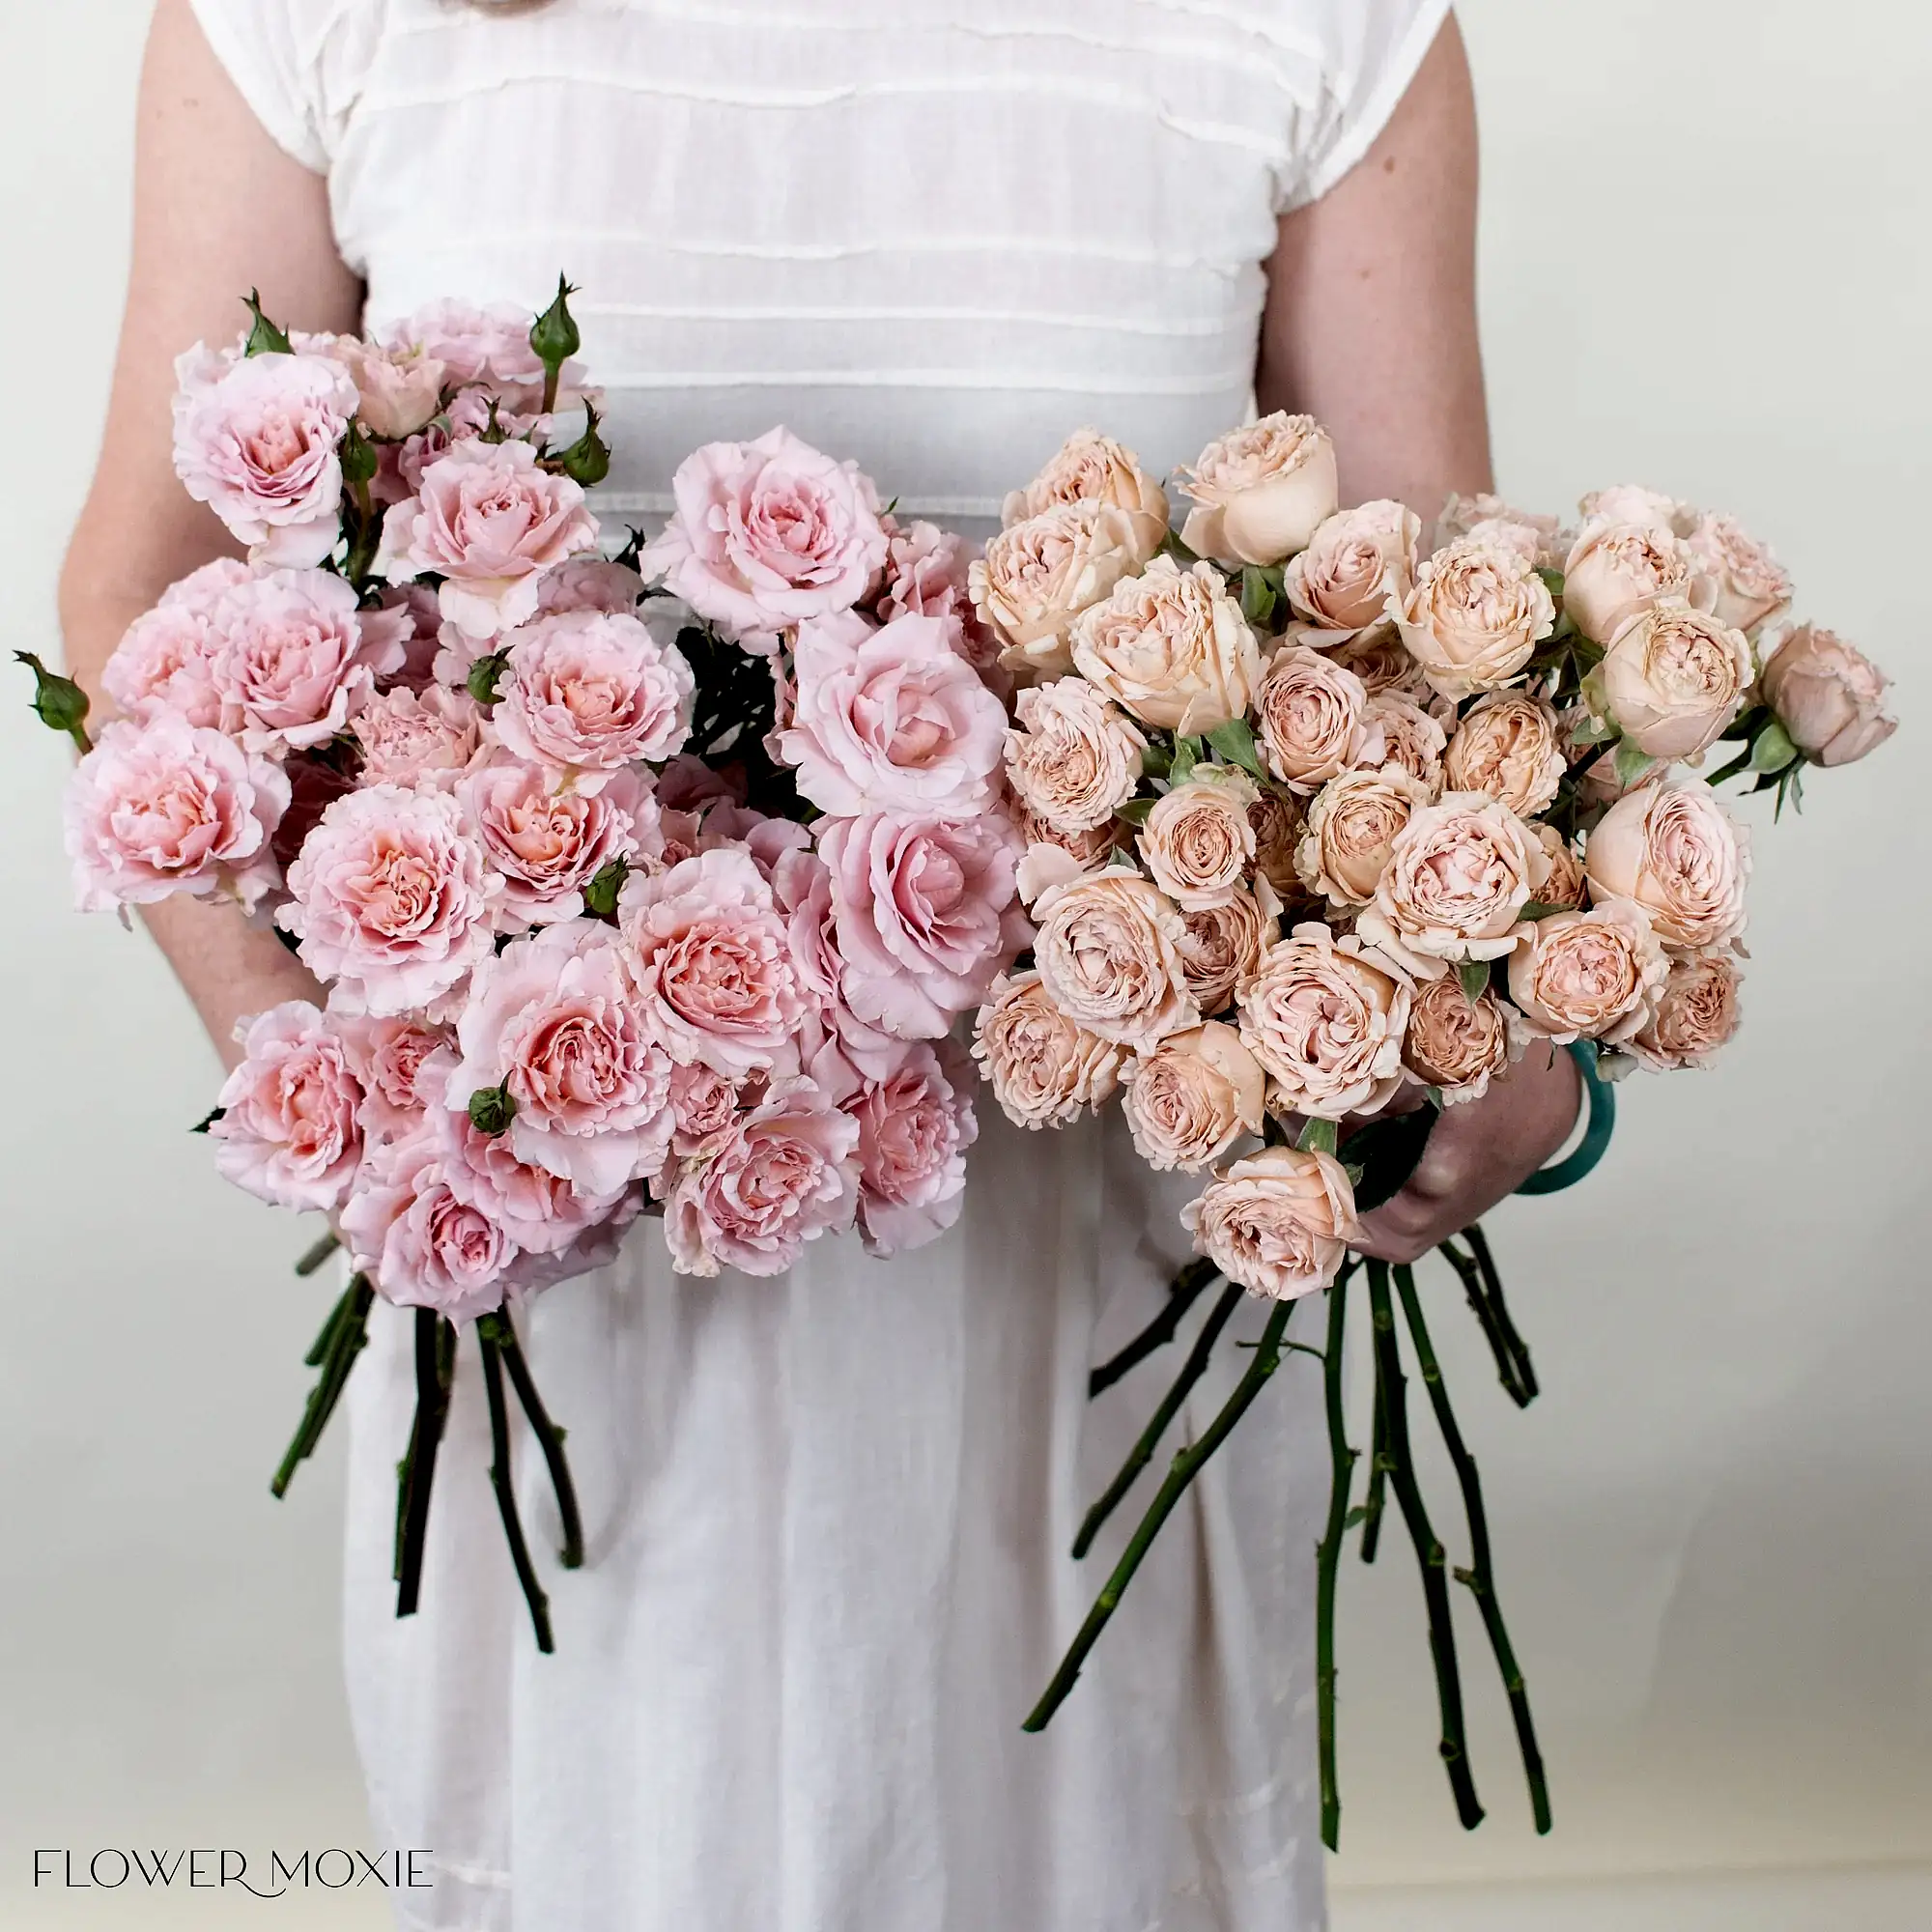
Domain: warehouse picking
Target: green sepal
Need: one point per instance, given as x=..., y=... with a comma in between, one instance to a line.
x=554, y=335
x=1187, y=756
x=208, y=1119
x=265, y=337
x=359, y=458
x=1135, y=811
x=1772, y=750
x=587, y=460
x=1261, y=591
x=600, y=895
x=1630, y=764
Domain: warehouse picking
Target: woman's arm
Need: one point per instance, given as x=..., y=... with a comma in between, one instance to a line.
x=1371, y=325
x=218, y=210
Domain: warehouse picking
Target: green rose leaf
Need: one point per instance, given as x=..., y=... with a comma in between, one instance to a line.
x=1236, y=742
x=1474, y=976
x=1318, y=1137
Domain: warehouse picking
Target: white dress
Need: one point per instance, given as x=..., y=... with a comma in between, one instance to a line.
x=829, y=1516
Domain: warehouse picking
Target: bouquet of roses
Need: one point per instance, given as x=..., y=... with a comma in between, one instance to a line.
x=626, y=900
x=1323, y=828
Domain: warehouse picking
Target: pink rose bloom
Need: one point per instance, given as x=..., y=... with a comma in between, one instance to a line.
x=786, y=1171
x=430, y=737
x=420, y=627
x=288, y=1131
x=165, y=660
x=474, y=345
x=926, y=916
x=926, y=575
x=768, y=533
x=400, y=389
x=704, y=1104
x=687, y=782
x=313, y=787
x=297, y=658
x=557, y=1021
x=890, y=720
x=391, y=897
x=914, y=1130
x=713, y=962
x=387, y=1057
x=588, y=692
x=407, y=1229
x=802, y=885
x=548, y=845
x=591, y=583
x=256, y=441
x=169, y=807
x=489, y=521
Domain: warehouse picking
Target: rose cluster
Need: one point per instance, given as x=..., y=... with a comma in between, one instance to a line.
x=1323, y=823
x=647, y=884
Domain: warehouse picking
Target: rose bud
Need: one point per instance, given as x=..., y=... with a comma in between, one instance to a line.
x=1260, y=492
x=1089, y=468
x=1829, y=696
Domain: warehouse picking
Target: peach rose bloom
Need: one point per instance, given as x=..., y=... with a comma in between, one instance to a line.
x=1073, y=760
x=1354, y=564
x=1089, y=468
x=1171, y=646
x=401, y=389
x=1738, y=580
x=1681, y=856
x=1615, y=570
x=1458, y=875
x=1056, y=858
x=1036, y=576
x=1351, y=827
x=1454, y=1043
x=1696, y=1012
x=1564, y=886
x=1260, y=492
x=1673, y=678
x=1190, y=1099
x=1411, y=738
x=1633, y=504
x=1591, y=975
x=1508, y=748
x=1222, y=947
x=1377, y=656
x=1475, y=617
x=1313, y=719
x=1325, y=1018
x=1828, y=696
x=1278, y=1222
x=1108, y=950
x=1197, y=843
x=1044, y=1070
x=1540, y=535
x=1277, y=823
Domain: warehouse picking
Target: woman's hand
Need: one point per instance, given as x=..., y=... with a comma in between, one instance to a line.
x=1477, y=1154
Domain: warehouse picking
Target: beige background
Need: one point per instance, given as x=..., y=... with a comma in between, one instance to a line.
x=1705, y=265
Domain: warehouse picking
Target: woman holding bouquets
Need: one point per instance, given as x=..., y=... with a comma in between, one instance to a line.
x=826, y=1512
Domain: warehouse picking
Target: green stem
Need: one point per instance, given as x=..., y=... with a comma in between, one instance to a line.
x=436, y=1360
x=1492, y=1286
x=1428, y=1554
x=342, y=1339
x=1508, y=1372
x=1328, y=1554
x=1478, y=1577
x=1183, y=1292
x=1371, y=1504
x=313, y=1257
x=1186, y=1465
x=1142, y=1454
x=501, y=1481
x=550, y=1437
x=1741, y=763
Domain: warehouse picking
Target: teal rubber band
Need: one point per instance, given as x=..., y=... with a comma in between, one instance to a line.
x=1573, y=1167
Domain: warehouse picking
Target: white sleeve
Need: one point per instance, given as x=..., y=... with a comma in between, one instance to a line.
x=273, y=50
x=1370, y=50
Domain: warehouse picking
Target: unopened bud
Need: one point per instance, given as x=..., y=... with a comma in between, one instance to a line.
x=59, y=703
x=492, y=1110
x=264, y=338
x=587, y=460
x=486, y=674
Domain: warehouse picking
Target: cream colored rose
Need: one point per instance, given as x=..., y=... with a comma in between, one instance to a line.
x=1377, y=656
x=1475, y=617
x=1673, y=678
x=1633, y=504
x=1109, y=952
x=1056, y=858
x=1260, y=492
x=1037, y=575
x=1564, y=886
x=1222, y=947
x=1591, y=975
x=1456, y=1044
x=1697, y=1013
x=1680, y=855
x=1351, y=827
x=1197, y=843
x=1738, y=580
x=1044, y=1070
x=1074, y=760
x=1171, y=646
x=1353, y=565
x=1528, y=530
x=1277, y=827
x=1326, y=1018
x=1829, y=696
x=1190, y=1099
x=1458, y=875
x=1089, y=468
x=1508, y=746
x=1615, y=570
x=1313, y=719
x=1410, y=738
x=1278, y=1222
